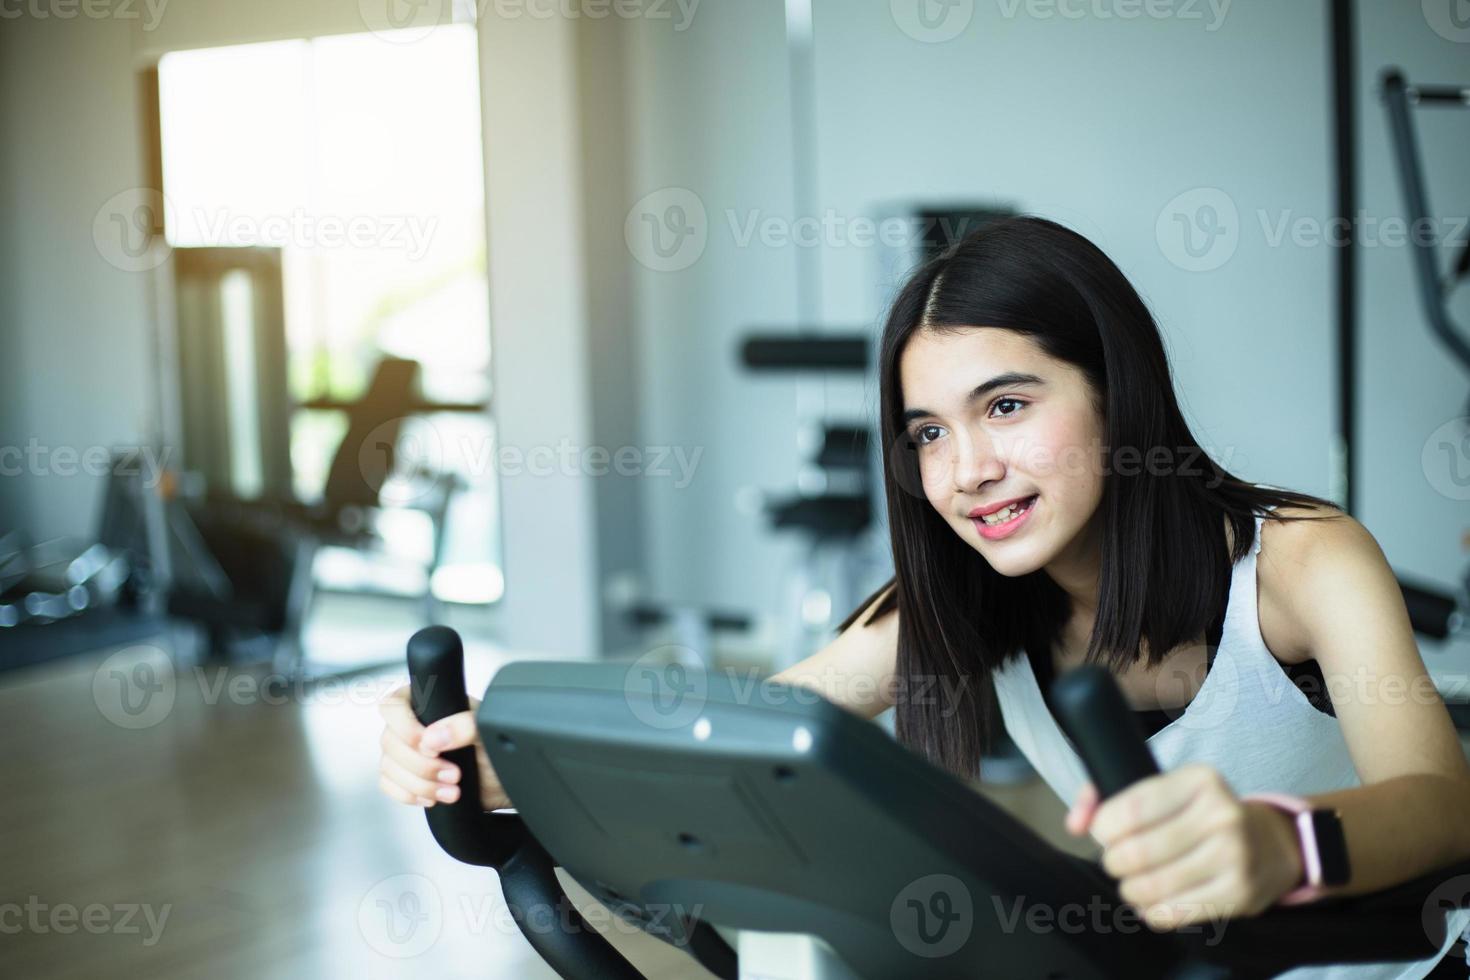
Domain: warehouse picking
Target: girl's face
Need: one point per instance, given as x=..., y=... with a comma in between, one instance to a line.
x=994, y=419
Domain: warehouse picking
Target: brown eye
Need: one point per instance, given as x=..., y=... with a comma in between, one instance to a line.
x=923, y=440
x=1012, y=401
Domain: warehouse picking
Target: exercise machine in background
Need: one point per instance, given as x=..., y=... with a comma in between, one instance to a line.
x=1433, y=612
x=831, y=508
x=250, y=542
x=251, y=575
x=1434, y=288
x=59, y=579
x=63, y=596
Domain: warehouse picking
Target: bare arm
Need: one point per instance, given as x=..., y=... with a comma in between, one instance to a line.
x=1333, y=582
x=854, y=671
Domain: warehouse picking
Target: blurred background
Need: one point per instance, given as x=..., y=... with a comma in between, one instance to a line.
x=552, y=320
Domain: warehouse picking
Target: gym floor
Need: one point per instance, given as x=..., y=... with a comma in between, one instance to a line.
x=251, y=820
x=240, y=833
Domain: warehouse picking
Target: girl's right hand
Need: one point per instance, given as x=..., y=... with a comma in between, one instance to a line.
x=410, y=769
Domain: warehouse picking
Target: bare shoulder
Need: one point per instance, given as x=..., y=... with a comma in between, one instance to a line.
x=1312, y=533
x=1293, y=553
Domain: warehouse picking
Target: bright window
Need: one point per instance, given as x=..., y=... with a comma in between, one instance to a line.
x=361, y=160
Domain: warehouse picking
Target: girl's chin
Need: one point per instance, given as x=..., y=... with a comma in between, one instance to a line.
x=1010, y=562
x=1016, y=569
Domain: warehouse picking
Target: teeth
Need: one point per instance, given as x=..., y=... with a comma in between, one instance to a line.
x=1005, y=514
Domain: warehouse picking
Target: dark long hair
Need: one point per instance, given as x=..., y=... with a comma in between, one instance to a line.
x=1165, y=566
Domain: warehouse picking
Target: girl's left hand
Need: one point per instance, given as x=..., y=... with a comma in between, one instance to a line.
x=1185, y=848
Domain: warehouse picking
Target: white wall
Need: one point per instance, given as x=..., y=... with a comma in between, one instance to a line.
x=538, y=313
x=613, y=349
x=711, y=116
x=184, y=24
x=74, y=330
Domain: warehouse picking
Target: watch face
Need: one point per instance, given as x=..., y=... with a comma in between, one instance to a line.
x=1331, y=847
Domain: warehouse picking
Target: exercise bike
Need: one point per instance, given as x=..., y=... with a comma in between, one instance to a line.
x=712, y=814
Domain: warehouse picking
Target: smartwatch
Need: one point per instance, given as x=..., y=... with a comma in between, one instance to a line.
x=1321, y=840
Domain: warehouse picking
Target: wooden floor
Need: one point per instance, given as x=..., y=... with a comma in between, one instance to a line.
x=215, y=830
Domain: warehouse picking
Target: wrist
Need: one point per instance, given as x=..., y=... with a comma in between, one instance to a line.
x=1321, y=861
x=1286, y=848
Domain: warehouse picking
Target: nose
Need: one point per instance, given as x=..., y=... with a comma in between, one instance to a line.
x=976, y=462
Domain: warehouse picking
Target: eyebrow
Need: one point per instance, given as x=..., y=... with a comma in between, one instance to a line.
x=1011, y=379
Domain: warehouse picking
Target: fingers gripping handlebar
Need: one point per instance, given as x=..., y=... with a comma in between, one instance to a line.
x=501, y=840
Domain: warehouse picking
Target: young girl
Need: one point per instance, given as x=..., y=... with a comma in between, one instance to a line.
x=1048, y=506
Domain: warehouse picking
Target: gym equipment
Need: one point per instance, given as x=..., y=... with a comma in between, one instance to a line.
x=248, y=567
x=1434, y=288
x=831, y=508
x=68, y=596
x=226, y=401
x=1342, y=51
x=1434, y=613
x=250, y=571
x=62, y=578
x=684, y=803
x=688, y=628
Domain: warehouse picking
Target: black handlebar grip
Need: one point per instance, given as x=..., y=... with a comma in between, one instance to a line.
x=1091, y=710
x=436, y=670
x=436, y=691
x=501, y=840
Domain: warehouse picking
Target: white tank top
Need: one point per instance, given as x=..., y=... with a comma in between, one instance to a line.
x=1248, y=720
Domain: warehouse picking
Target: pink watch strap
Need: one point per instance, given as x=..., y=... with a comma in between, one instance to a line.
x=1306, y=834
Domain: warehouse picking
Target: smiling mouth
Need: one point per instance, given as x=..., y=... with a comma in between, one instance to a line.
x=1006, y=515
